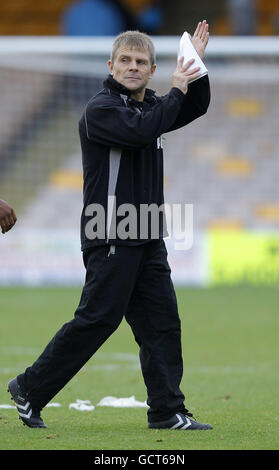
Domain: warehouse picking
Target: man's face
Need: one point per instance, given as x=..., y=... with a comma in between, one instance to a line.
x=132, y=68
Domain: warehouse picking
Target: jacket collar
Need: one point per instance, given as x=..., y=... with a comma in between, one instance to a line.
x=120, y=89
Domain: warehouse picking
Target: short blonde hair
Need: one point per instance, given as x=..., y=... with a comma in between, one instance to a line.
x=135, y=40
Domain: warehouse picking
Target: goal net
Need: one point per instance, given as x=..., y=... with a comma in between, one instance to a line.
x=225, y=164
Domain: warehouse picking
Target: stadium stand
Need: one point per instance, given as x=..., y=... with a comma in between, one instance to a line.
x=26, y=17
x=229, y=165
x=39, y=113
x=109, y=17
x=267, y=21
x=85, y=17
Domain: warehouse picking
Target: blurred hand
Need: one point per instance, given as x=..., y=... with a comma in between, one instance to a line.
x=200, y=38
x=7, y=216
x=182, y=75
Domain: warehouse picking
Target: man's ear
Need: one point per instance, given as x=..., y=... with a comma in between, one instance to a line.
x=110, y=66
x=153, y=68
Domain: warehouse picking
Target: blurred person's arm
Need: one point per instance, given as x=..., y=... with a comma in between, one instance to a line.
x=7, y=216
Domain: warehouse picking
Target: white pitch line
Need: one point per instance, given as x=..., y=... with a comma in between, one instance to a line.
x=19, y=351
x=50, y=405
x=136, y=366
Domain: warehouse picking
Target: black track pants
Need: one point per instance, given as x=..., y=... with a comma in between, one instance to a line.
x=134, y=282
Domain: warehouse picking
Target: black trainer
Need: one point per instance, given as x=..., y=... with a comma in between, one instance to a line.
x=30, y=416
x=180, y=421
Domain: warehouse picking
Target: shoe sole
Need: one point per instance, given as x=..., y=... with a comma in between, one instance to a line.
x=207, y=428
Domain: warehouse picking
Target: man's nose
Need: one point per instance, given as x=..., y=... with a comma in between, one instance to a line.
x=133, y=65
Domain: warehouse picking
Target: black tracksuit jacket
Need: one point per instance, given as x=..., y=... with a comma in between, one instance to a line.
x=122, y=154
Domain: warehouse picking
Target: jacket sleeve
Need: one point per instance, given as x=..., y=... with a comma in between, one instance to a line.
x=122, y=126
x=195, y=103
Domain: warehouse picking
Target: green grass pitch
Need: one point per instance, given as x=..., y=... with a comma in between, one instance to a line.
x=230, y=349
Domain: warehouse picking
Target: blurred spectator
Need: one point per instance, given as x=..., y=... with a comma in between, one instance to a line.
x=110, y=17
x=242, y=16
x=92, y=18
x=276, y=23
x=147, y=13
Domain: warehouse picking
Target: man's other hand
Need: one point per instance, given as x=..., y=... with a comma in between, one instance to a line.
x=182, y=75
x=7, y=216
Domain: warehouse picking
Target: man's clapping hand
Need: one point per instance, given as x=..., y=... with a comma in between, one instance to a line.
x=200, y=38
x=182, y=75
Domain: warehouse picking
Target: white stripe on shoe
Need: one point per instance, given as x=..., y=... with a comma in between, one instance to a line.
x=180, y=422
x=26, y=416
x=187, y=424
x=23, y=407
